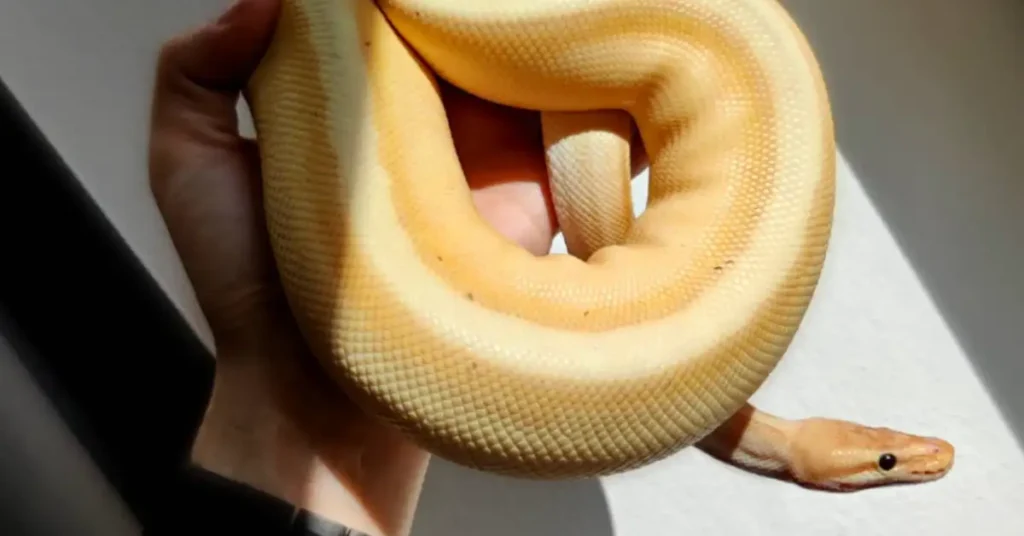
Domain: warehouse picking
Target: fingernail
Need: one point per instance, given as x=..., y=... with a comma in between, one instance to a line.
x=231, y=11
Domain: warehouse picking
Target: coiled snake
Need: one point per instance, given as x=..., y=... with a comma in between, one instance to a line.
x=654, y=332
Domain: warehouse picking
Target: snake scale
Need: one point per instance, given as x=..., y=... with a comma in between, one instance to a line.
x=653, y=332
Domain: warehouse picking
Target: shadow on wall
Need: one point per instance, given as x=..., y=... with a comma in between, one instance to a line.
x=456, y=500
x=948, y=177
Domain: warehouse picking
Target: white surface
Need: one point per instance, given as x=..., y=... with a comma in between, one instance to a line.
x=915, y=325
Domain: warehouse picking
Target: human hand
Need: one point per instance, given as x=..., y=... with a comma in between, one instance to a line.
x=274, y=421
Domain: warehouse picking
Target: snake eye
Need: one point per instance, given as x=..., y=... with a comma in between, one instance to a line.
x=887, y=461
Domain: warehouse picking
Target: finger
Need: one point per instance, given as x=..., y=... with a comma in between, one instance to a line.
x=502, y=155
x=200, y=76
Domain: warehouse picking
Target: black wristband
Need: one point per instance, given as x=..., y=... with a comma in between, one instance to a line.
x=207, y=503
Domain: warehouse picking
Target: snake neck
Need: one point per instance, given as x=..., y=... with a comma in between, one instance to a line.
x=753, y=440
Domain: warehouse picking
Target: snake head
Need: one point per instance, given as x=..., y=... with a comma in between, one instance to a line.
x=844, y=456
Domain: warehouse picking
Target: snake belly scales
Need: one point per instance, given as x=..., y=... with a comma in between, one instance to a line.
x=651, y=335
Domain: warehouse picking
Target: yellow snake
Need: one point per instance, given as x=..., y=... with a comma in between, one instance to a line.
x=654, y=332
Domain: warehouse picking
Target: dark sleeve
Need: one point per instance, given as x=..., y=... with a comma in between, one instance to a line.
x=207, y=503
x=139, y=431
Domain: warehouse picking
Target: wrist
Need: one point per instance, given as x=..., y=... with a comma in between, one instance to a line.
x=277, y=424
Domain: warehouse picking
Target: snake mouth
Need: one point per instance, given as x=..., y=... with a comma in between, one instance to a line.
x=932, y=473
x=937, y=468
x=909, y=478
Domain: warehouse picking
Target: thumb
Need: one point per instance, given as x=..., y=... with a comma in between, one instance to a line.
x=200, y=75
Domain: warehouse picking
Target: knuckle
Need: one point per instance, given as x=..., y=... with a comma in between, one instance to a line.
x=169, y=55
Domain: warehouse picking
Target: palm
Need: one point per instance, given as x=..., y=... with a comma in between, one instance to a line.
x=216, y=196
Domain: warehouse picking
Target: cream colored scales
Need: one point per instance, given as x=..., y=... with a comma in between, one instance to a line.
x=557, y=367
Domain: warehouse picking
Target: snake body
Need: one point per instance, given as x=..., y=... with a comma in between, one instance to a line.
x=655, y=331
